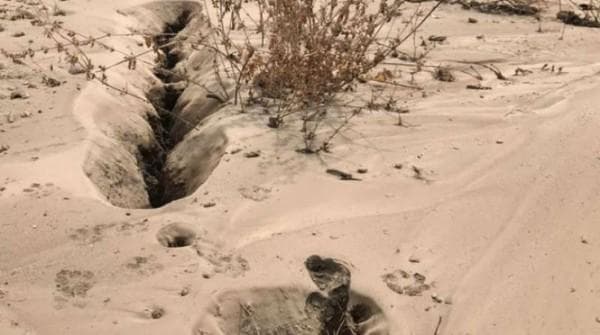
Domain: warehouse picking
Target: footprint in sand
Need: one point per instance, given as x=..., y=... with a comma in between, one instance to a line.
x=333, y=309
x=88, y=235
x=38, y=191
x=93, y=234
x=73, y=285
x=410, y=284
x=255, y=193
x=144, y=265
x=222, y=262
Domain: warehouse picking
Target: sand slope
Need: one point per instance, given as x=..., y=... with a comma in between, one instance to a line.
x=503, y=223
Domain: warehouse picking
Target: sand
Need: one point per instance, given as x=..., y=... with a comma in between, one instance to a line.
x=479, y=216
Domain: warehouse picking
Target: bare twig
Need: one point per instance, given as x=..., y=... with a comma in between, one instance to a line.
x=437, y=327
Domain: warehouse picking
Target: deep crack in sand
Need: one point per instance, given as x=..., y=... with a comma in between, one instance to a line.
x=163, y=98
x=152, y=154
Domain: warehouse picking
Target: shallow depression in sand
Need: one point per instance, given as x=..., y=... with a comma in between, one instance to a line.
x=176, y=235
x=286, y=310
x=331, y=309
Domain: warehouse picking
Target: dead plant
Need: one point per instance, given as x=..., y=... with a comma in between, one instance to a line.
x=309, y=52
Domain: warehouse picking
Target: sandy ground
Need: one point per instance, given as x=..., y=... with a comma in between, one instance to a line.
x=503, y=223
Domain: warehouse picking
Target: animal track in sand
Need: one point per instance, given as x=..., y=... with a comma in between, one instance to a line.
x=94, y=234
x=178, y=235
x=89, y=235
x=39, y=191
x=403, y=282
x=74, y=283
x=256, y=193
x=144, y=265
x=221, y=261
x=334, y=309
x=72, y=286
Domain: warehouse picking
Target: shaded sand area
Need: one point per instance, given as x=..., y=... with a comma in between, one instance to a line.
x=480, y=215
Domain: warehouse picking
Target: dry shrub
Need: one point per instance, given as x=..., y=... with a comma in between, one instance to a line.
x=585, y=15
x=509, y=7
x=592, y=9
x=309, y=51
x=316, y=51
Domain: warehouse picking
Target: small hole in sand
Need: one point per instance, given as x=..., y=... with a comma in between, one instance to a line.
x=176, y=235
x=157, y=313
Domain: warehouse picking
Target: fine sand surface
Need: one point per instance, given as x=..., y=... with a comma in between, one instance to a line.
x=486, y=205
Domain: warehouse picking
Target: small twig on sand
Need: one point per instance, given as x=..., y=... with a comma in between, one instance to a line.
x=341, y=174
x=248, y=313
x=437, y=328
x=494, y=69
x=478, y=87
x=413, y=87
x=418, y=173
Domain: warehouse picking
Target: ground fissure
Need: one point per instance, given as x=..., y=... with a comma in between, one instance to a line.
x=165, y=150
x=163, y=98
